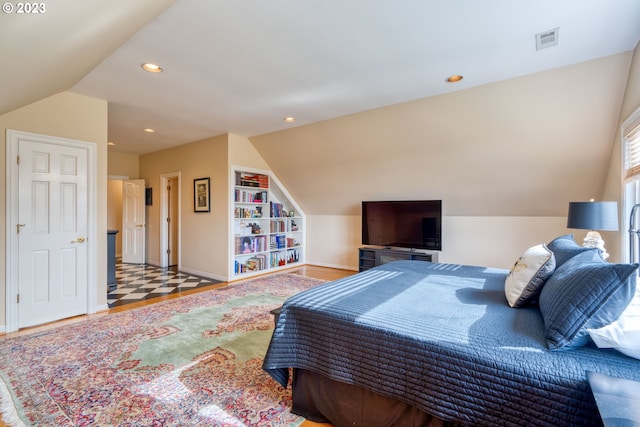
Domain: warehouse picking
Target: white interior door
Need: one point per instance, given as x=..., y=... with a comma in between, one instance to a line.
x=52, y=232
x=133, y=221
x=170, y=219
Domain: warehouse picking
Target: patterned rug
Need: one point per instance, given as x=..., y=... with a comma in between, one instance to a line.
x=191, y=361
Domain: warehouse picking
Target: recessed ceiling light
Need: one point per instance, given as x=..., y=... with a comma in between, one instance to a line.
x=454, y=79
x=289, y=119
x=152, y=68
x=111, y=144
x=149, y=130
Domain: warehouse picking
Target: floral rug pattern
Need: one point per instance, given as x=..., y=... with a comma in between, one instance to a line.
x=191, y=361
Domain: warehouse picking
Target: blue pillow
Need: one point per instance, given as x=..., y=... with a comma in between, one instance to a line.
x=584, y=293
x=564, y=248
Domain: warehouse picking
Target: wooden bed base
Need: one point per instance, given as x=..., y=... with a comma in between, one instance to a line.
x=324, y=402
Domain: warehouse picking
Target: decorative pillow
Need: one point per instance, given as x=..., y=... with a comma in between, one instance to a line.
x=564, y=248
x=528, y=274
x=584, y=293
x=624, y=333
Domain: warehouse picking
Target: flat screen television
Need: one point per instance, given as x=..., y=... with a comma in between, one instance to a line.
x=413, y=224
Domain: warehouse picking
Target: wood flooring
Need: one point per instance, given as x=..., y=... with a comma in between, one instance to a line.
x=323, y=273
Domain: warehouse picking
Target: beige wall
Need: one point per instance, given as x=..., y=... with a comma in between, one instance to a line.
x=204, y=236
x=65, y=115
x=114, y=210
x=616, y=242
x=123, y=164
x=505, y=158
x=519, y=147
x=243, y=153
x=333, y=240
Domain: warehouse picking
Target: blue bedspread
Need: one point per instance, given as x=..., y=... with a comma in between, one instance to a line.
x=440, y=337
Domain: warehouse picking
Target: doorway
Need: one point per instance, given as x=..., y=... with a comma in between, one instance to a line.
x=170, y=202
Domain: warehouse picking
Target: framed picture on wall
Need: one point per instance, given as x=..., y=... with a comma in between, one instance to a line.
x=201, y=195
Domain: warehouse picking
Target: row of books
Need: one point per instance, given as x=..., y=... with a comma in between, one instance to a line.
x=252, y=180
x=239, y=212
x=244, y=196
x=282, y=242
x=249, y=245
x=259, y=262
x=278, y=242
x=279, y=259
x=255, y=263
x=253, y=244
x=277, y=210
x=279, y=226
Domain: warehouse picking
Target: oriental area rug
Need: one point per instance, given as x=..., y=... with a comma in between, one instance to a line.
x=190, y=361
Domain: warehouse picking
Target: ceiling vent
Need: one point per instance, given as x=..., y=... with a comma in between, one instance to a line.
x=547, y=39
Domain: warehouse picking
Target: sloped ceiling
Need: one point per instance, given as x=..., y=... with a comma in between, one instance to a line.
x=520, y=147
x=45, y=53
x=241, y=66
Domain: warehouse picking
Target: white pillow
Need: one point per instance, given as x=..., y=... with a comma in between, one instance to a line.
x=624, y=333
x=528, y=274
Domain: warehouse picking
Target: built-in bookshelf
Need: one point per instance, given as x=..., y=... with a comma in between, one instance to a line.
x=268, y=227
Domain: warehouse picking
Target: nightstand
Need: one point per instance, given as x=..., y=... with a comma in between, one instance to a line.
x=618, y=399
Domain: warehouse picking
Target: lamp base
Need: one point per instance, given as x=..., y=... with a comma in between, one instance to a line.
x=594, y=240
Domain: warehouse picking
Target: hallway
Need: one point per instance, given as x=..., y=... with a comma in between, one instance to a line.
x=137, y=282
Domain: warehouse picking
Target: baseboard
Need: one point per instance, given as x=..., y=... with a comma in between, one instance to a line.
x=339, y=267
x=204, y=274
x=3, y=329
x=104, y=307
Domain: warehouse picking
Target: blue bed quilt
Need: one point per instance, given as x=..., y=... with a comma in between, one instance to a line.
x=440, y=337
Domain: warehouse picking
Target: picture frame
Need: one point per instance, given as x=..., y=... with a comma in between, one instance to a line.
x=148, y=196
x=201, y=195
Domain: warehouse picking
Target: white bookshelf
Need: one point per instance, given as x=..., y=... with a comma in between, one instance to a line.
x=267, y=226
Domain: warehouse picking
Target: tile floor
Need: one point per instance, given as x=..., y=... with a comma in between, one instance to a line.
x=137, y=282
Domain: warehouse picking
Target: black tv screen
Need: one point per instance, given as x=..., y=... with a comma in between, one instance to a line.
x=414, y=224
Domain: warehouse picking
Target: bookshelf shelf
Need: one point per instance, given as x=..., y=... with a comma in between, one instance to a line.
x=267, y=230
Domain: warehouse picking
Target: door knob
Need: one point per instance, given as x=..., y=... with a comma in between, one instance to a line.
x=78, y=240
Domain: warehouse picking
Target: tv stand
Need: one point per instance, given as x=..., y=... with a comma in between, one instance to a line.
x=370, y=257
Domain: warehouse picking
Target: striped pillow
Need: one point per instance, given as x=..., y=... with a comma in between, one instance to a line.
x=584, y=292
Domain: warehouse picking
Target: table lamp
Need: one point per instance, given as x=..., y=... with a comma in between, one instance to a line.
x=593, y=216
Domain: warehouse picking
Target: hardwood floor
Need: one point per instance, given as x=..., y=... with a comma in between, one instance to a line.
x=323, y=273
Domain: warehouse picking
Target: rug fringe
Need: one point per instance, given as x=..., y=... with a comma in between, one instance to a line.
x=7, y=407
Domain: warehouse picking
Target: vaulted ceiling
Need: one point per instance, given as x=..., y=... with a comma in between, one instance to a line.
x=241, y=66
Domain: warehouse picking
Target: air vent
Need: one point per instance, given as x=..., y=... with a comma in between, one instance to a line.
x=547, y=39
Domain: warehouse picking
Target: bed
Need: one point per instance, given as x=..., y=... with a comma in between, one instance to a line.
x=419, y=343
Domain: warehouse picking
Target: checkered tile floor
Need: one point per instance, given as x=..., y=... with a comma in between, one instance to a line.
x=141, y=282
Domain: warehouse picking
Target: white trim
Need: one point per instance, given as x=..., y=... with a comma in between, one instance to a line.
x=11, y=214
x=164, y=235
x=632, y=121
x=205, y=274
x=104, y=307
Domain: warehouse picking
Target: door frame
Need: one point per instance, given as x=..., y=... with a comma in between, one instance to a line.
x=11, y=217
x=164, y=212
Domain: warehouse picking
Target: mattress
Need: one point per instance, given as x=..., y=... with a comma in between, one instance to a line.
x=441, y=338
